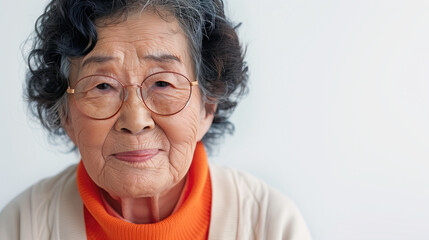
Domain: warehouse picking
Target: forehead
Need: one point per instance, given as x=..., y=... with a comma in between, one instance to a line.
x=138, y=26
x=143, y=35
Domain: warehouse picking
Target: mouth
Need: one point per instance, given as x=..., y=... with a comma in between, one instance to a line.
x=136, y=156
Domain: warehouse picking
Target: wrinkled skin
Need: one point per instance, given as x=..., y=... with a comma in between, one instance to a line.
x=147, y=191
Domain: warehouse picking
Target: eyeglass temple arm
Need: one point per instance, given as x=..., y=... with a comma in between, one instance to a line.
x=70, y=90
x=194, y=83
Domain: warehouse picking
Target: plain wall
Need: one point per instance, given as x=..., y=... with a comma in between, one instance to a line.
x=336, y=117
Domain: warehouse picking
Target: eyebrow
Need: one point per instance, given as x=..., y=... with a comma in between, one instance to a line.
x=97, y=59
x=161, y=59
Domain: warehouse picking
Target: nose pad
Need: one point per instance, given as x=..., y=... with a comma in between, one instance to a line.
x=126, y=94
x=138, y=93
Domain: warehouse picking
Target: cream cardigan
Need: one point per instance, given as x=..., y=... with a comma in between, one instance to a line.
x=243, y=207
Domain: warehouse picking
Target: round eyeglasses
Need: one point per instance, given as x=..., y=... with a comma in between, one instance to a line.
x=101, y=97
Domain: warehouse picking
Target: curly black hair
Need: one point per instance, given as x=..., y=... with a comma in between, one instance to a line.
x=67, y=29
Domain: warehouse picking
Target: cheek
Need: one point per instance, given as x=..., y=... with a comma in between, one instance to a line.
x=181, y=131
x=182, y=127
x=89, y=132
x=90, y=136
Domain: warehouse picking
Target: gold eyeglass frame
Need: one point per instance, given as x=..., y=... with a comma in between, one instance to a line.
x=124, y=87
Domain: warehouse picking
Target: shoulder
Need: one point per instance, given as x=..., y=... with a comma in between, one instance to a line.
x=261, y=211
x=34, y=213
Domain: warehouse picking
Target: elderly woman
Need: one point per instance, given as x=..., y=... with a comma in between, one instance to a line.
x=137, y=86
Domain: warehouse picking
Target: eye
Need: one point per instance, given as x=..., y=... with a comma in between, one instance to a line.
x=162, y=84
x=103, y=86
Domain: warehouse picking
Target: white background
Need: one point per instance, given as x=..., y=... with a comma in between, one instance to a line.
x=336, y=118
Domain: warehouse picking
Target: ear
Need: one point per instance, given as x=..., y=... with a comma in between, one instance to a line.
x=68, y=127
x=206, y=119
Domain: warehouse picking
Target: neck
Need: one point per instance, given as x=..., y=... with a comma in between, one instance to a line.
x=146, y=210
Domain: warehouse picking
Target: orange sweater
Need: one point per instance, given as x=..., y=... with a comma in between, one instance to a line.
x=191, y=221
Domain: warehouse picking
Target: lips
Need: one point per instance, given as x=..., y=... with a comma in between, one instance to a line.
x=136, y=156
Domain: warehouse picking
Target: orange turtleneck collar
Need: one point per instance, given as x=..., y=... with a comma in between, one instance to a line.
x=190, y=221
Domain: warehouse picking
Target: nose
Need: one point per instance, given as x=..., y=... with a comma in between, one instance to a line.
x=133, y=116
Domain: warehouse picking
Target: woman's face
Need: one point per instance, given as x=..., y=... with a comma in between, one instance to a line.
x=162, y=145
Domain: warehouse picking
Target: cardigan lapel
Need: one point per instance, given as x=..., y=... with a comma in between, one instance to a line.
x=69, y=221
x=224, y=215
